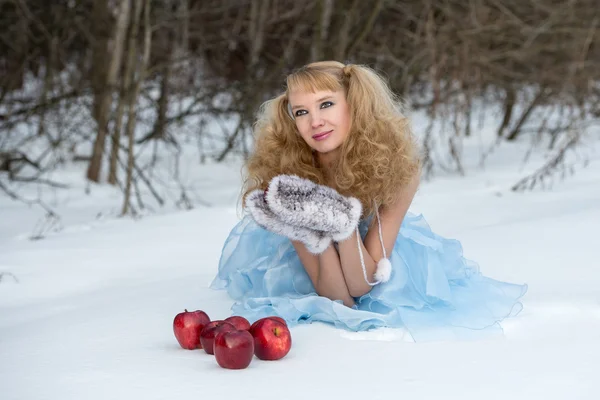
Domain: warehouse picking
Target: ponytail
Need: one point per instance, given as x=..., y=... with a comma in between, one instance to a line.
x=368, y=94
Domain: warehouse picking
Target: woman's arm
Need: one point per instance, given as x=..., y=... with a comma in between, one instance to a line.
x=325, y=272
x=391, y=219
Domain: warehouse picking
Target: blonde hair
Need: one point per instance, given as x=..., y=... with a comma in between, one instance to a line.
x=378, y=157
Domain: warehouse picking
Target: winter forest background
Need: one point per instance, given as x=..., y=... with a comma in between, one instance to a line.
x=111, y=86
x=123, y=129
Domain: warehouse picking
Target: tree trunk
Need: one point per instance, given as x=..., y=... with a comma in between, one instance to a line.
x=141, y=73
x=166, y=68
x=509, y=104
x=107, y=63
x=48, y=83
x=163, y=102
x=344, y=33
x=324, y=13
x=123, y=100
x=258, y=17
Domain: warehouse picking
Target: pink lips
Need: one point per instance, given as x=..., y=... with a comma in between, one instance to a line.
x=322, y=135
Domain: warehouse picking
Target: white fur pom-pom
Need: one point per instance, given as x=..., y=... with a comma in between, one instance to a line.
x=384, y=270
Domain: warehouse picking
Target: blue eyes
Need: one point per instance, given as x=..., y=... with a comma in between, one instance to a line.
x=325, y=104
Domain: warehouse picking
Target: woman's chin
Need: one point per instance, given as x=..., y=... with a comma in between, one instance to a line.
x=325, y=147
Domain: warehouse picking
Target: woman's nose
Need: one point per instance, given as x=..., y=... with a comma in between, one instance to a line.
x=317, y=120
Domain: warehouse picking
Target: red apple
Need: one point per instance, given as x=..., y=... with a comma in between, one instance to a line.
x=272, y=317
x=272, y=339
x=234, y=349
x=187, y=326
x=240, y=323
x=279, y=319
x=210, y=331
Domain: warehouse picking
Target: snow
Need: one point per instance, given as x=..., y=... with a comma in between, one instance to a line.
x=87, y=311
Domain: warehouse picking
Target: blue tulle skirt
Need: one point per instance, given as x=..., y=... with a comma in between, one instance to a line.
x=434, y=293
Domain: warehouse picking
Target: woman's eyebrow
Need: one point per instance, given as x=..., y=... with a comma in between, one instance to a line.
x=317, y=101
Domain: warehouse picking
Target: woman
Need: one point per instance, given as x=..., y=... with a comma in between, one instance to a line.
x=328, y=236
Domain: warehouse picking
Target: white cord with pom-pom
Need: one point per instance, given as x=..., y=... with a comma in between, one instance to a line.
x=384, y=266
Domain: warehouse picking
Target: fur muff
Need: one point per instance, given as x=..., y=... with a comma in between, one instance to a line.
x=303, y=203
x=316, y=242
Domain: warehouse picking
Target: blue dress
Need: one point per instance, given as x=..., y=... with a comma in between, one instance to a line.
x=434, y=293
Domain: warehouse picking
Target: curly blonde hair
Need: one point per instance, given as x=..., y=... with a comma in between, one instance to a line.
x=378, y=157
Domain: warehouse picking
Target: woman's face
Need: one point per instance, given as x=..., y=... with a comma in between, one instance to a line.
x=322, y=118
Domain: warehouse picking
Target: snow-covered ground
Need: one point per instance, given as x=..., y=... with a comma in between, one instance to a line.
x=86, y=312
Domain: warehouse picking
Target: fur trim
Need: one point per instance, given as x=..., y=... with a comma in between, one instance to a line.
x=354, y=217
x=301, y=202
x=315, y=242
x=384, y=270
